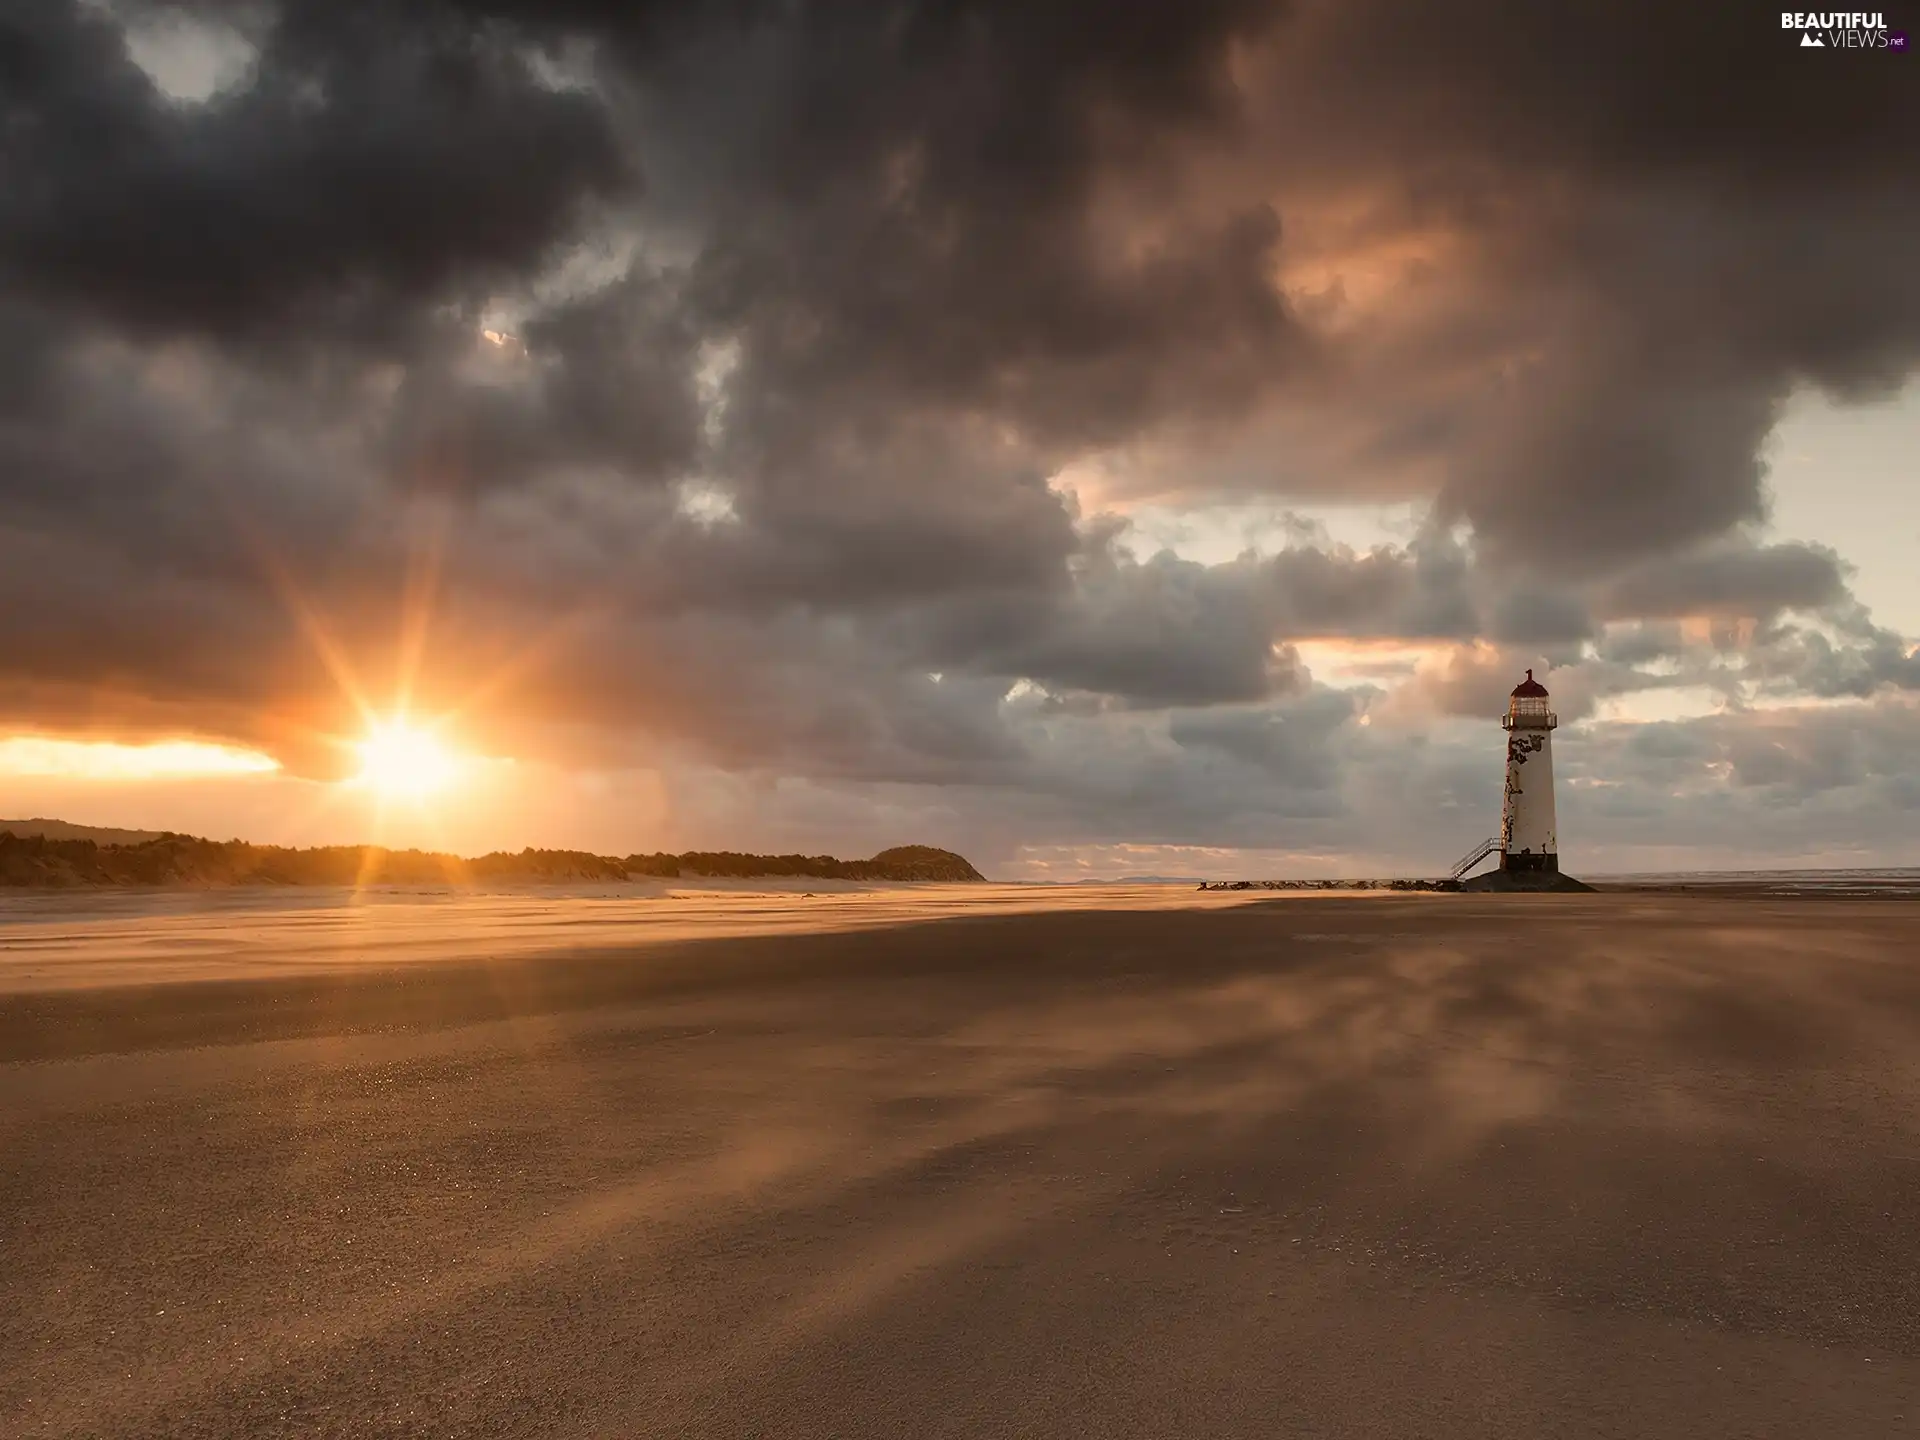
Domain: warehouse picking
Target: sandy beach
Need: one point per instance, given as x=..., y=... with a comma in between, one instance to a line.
x=979, y=1161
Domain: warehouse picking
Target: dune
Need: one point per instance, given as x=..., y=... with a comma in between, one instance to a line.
x=53, y=858
x=43, y=829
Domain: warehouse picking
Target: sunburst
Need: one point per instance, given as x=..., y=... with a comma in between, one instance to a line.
x=401, y=760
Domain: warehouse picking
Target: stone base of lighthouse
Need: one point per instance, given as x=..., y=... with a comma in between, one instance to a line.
x=1512, y=881
x=1526, y=863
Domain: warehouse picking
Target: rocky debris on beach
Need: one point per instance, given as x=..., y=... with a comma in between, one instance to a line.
x=1494, y=881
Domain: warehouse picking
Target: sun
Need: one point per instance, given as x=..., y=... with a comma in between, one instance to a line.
x=402, y=761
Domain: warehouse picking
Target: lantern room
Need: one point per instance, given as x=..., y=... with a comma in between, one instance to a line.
x=1527, y=707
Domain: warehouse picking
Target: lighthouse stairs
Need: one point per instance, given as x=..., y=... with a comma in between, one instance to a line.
x=1507, y=880
x=1473, y=857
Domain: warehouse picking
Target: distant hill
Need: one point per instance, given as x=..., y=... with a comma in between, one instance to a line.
x=62, y=830
x=166, y=859
x=921, y=862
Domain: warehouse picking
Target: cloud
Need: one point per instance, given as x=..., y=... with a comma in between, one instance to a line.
x=1293, y=744
x=463, y=300
x=376, y=159
x=1730, y=581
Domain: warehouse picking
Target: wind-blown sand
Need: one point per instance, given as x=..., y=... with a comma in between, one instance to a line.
x=1078, y=1163
x=71, y=939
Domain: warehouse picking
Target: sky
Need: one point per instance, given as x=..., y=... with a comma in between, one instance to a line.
x=1104, y=440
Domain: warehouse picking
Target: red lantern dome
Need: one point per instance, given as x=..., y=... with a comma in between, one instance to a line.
x=1530, y=689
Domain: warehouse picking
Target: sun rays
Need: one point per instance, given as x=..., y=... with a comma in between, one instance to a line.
x=404, y=764
x=403, y=761
x=381, y=722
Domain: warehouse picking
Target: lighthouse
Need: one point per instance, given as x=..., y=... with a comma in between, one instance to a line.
x=1527, y=841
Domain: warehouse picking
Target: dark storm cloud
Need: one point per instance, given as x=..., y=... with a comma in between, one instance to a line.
x=372, y=163
x=1729, y=580
x=1640, y=643
x=1293, y=743
x=1860, y=659
x=799, y=309
x=605, y=381
x=1167, y=631
x=898, y=206
x=1164, y=632
x=1669, y=220
x=1770, y=761
x=1542, y=616
x=998, y=208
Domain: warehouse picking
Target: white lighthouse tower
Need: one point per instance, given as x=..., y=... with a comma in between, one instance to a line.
x=1527, y=840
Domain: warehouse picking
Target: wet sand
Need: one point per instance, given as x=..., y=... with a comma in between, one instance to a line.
x=89, y=939
x=1088, y=1164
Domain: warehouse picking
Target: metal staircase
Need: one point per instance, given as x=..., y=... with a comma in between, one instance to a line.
x=1474, y=856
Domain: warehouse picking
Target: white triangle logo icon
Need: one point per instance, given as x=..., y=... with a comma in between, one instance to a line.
x=1808, y=42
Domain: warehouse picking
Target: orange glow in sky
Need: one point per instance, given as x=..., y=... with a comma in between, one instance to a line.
x=39, y=755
